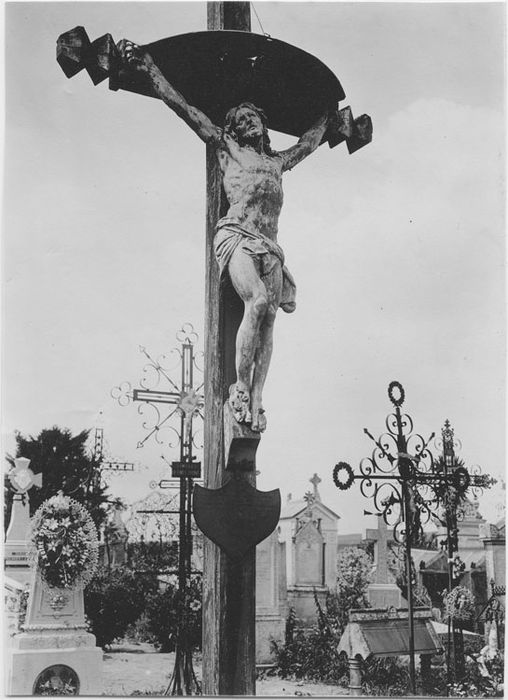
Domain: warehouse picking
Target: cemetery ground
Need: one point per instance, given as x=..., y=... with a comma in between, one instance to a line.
x=138, y=669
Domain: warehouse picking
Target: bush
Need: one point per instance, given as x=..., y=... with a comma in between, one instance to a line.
x=474, y=685
x=386, y=677
x=162, y=615
x=354, y=571
x=114, y=599
x=311, y=655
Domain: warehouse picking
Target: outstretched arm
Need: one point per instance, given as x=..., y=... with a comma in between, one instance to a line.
x=306, y=145
x=143, y=63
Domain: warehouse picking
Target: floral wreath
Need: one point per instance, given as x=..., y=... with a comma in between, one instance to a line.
x=63, y=542
x=459, y=604
x=339, y=483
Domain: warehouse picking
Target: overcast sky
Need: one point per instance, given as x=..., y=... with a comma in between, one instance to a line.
x=397, y=250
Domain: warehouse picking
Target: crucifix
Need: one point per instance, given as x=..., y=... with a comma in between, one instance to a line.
x=229, y=86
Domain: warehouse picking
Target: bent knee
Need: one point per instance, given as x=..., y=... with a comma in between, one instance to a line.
x=260, y=304
x=270, y=314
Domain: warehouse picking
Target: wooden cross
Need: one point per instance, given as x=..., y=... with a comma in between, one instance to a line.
x=229, y=448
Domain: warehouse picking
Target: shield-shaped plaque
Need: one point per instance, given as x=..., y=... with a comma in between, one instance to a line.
x=237, y=516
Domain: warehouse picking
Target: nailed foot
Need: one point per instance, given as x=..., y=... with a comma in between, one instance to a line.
x=258, y=420
x=239, y=401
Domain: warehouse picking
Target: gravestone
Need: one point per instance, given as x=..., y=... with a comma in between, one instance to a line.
x=22, y=479
x=308, y=527
x=54, y=654
x=309, y=579
x=382, y=592
x=271, y=596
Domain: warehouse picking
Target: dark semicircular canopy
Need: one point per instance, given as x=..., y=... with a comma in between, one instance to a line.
x=215, y=71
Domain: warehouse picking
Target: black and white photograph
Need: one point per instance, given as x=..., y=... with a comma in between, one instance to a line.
x=253, y=377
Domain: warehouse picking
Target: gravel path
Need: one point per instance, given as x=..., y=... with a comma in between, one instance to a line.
x=139, y=669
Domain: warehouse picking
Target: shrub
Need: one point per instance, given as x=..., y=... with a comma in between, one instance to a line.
x=386, y=677
x=114, y=599
x=354, y=571
x=311, y=654
x=474, y=685
x=162, y=615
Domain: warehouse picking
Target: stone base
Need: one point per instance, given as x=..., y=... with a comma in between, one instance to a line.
x=385, y=595
x=301, y=598
x=269, y=628
x=33, y=652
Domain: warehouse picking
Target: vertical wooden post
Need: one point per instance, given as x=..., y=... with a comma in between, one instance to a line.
x=228, y=589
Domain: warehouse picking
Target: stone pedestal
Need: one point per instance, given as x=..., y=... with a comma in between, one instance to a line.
x=54, y=644
x=14, y=601
x=301, y=599
x=383, y=592
x=385, y=595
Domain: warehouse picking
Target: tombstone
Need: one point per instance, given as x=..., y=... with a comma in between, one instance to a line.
x=271, y=596
x=309, y=574
x=54, y=654
x=22, y=479
x=308, y=527
x=382, y=592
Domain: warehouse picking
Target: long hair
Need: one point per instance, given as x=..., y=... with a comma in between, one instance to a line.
x=229, y=125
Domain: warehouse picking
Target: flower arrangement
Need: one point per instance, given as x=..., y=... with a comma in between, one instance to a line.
x=63, y=542
x=459, y=604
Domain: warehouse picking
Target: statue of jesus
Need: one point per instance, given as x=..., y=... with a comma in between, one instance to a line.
x=245, y=244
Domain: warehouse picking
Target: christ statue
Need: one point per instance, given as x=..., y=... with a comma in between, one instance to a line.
x=245, y=243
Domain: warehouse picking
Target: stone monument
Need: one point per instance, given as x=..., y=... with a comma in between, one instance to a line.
x=309, y=529
x=22, y=479
x=54, y=654
x=382, y=592
x=17, y=569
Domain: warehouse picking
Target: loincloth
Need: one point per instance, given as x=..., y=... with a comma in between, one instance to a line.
x=266, y=252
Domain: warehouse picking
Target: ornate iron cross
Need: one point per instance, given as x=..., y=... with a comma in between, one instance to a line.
x=407, y=486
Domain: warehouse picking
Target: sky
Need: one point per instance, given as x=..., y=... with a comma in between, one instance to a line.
x=398, y=250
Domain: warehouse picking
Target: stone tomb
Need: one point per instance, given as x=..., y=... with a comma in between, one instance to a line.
x=381, y=633
x=309, y=529
x=271, y=596
x=54, y=651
